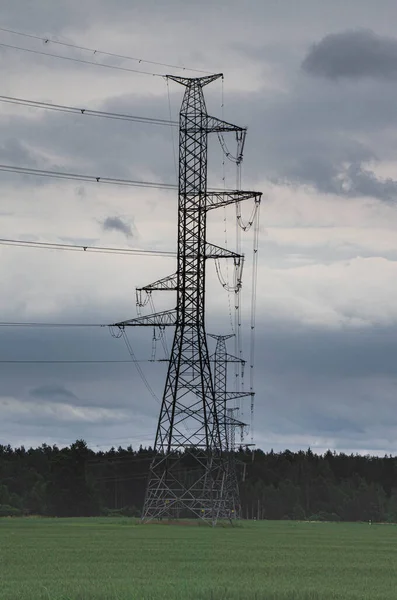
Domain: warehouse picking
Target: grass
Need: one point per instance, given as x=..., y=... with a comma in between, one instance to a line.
x=119, y=559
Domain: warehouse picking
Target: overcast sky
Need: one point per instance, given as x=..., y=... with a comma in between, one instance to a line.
x=315, y=82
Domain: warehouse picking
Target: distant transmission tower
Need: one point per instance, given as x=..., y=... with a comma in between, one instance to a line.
x=188, y=474
x=228, y=422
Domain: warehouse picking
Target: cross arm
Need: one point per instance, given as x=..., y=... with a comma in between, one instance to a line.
x=235, y=395
x=217, y=199
x=215, y=125
x=166, y=283
x=213, y=251
x=167, y=318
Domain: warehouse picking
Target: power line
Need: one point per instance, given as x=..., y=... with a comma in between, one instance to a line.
x=80, y=60
x=55, y=325
x=93, y=178
x=255, y=250
x=84, y=248
x=86, y=111
x=138, y=368
x=47, y=40
x=88, y=178
x=69, y=362
x=35, y=324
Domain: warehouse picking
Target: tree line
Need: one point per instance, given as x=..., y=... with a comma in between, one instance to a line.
x=77, y=481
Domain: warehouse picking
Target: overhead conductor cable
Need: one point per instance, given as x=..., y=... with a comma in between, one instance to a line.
x=50, y=40
x=86, y=111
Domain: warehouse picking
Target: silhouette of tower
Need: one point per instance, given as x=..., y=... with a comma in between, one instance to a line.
x=189, y=472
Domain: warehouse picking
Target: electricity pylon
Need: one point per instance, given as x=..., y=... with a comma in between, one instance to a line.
x=187, y=475
x=228, y=422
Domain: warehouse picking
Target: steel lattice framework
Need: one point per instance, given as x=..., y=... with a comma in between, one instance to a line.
x=228, y=422
x=188, y=474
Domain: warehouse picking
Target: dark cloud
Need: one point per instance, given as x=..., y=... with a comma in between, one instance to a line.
x=338, y=385
x=317, y=352
x=335, y=385
x=351, y=180
x=316, y=385
x=363, y=182
x=117, y=224
x=51, y=391
x=353, y=54
x=306, y=136
x=79, y=144
x=328, y=424
x=320, y=134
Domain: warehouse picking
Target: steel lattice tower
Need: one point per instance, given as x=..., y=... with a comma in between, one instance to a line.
x=187, y=475
x=228, y=422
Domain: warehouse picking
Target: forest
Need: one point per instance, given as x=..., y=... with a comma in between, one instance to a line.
x=77, y=481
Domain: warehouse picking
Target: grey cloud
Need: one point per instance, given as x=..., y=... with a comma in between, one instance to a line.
x=286, y=255
x=309, y=382
x=40, y=15
x=81, y=144
x=335, y=387
x=353, y=54
x=305, y=136
x=363, y=182
x=350, y=180
x=56, y=17
x=15, y=152
x=315, y=352
x=335, y=424
x=321, y=135
x=324, y=382
x=117, y=224
x=112, y=385
x=79, y=241
x=52, y=390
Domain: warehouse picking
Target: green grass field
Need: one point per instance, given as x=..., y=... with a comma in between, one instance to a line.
x=119, y=559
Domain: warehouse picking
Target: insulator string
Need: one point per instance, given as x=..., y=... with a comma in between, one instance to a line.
x=138, y=366
x=247, y=226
